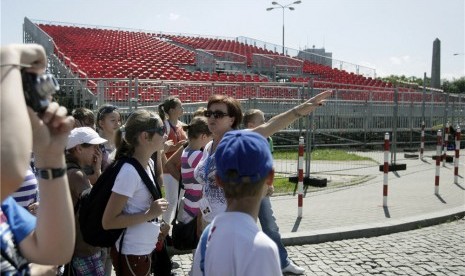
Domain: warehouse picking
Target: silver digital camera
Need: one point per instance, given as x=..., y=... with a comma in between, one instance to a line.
x=38, y=89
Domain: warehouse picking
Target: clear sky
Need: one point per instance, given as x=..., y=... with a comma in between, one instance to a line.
x=392, y=36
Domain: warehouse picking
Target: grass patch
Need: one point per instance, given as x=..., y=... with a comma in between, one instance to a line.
x=321, y=154
x=282, y=185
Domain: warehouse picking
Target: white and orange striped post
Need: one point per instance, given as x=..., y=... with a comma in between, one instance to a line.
x=422, y=143
x=438, y=163
x=300, y=180
x=457, y=155
x=446, y=143
x=386, y=169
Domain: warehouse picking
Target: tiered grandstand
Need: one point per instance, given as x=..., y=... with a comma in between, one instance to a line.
x=103, y=53
x=98, y=53
x=131, y=68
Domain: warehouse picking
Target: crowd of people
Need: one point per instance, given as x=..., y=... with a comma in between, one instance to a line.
x=226, y=174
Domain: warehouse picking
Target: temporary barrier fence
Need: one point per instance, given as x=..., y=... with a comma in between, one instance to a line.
x=457, y=155
x=438, y=162
x=385, y=169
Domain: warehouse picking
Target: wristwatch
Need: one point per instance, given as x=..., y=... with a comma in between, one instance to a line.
x=51, y=173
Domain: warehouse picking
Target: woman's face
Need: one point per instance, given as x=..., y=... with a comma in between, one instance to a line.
x=177, y=111
x=220, y=125
x=158, y=139
x=110, y=123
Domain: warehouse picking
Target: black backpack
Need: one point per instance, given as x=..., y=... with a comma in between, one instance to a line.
x=93, y=201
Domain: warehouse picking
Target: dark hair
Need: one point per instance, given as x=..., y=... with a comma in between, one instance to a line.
x=70, y=157
x=85, y=116
x=250, y=115
x=105, y=109
x=233, y=105
x=170, y=103
x=140, y=120
x=197, y=127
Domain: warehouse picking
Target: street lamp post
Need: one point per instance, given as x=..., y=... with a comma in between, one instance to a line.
x=288, y=6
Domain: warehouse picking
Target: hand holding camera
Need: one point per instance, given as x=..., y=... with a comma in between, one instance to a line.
x=38, y=90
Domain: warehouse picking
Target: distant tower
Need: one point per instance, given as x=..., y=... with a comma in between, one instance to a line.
x=436, y=65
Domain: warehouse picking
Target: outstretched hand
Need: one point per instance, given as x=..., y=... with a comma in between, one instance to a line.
x=311, y=104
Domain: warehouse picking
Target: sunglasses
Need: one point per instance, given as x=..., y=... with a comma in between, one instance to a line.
x=158, y=130
x=216, y=114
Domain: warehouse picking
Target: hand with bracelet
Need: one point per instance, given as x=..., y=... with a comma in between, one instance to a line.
x=51, y=240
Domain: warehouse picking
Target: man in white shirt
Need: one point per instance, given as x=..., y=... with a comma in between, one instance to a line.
x=233, y=243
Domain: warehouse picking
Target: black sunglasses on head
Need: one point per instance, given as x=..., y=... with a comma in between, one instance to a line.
x=216, y=114
x=105, y=110
x=158, y=130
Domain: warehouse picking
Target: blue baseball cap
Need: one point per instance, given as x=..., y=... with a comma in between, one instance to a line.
x=243, y=157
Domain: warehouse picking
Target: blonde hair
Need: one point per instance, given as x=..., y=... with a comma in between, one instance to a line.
x=126, y=137
x=251, y=115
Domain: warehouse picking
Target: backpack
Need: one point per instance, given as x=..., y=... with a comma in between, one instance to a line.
x=93, y=201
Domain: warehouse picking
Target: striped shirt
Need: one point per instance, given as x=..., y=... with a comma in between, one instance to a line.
x=28, y=191
x=193, y=189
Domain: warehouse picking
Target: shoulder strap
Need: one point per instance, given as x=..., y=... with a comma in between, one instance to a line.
x=168, y=127
x=153, y=187
x=203, y=247
x=181, y=190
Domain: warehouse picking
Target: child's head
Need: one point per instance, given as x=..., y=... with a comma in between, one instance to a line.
x=128, y=136
x=199, y=112
x=83, y=143
x=83, y=117
x=253, y=118
x=243, y=164
x=172, y=107
x=197, y=127
x=108, y=119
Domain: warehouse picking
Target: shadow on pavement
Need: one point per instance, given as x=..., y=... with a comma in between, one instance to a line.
x=296, y=225
x=441, y=199
x=386, y=212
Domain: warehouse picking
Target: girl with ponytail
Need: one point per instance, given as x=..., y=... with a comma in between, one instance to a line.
x=170, y=111
x=131, y=205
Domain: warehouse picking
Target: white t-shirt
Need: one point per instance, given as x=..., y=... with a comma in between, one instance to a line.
x=235, y=246
x=140, y=239
x=213, y=195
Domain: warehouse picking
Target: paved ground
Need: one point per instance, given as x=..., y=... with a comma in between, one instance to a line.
x=435, y=250
x=338, y=233
x=346, y=231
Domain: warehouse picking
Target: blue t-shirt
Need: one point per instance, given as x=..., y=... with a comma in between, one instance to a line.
x=16, y=223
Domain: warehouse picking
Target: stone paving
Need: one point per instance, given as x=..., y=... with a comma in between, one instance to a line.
x=435, y=250
x=331, y=237
x=323, y=237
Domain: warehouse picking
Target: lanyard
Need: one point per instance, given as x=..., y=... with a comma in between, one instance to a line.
x=175, y=131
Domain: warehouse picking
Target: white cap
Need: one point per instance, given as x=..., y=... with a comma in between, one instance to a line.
x=83, y=135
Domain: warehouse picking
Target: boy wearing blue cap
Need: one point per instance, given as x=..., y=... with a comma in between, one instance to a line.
x=233, y=243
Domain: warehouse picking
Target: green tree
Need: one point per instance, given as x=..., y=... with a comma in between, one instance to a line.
x=402, y=80
x=454, y=86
